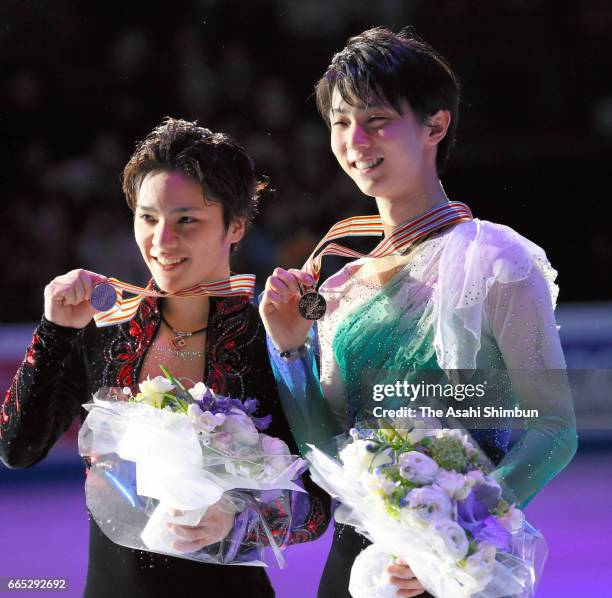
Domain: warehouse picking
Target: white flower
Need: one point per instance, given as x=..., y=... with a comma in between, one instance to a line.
x=481, y=562
x=512, y=520
x=204, y=420
x=457, y=435
x=358, y=459
x=454, y=538
x=198, y=391
x=449, y=433
x=241, y=427
x=430, y=503
x=379, y=485
x=152, y=391
x=212, y=420
x=417, y=467
x=388, y=486
x=454, y=484
x=277, y=453
x=372, y=483
x=349, y=456
x=422, y=429
x=159, y=384
x=381, y=458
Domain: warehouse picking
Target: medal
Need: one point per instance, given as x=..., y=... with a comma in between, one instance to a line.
x=312, y=305
x=103, y=297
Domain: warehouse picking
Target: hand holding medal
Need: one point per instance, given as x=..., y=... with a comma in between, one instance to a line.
x=68, y=298
x=280, y=308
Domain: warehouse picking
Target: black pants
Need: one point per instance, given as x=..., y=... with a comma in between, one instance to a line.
x=346, y=545
x=118, y=572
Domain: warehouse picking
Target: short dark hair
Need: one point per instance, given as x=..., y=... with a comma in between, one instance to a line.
x=383, y=66
x=215, y=160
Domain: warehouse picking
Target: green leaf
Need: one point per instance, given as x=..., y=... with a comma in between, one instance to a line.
x=181, y=391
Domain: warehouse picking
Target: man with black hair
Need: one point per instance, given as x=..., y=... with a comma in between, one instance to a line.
x=193, y=193
x=443, y=291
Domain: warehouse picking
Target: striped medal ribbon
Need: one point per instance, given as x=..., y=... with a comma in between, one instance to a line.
x=107, y=297
x=312, y=304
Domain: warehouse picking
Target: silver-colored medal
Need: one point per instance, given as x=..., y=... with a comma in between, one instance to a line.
x=312, y=306
x=103, y=297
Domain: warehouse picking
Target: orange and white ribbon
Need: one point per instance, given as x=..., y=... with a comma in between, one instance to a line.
x=125, y=309
x=402, y=237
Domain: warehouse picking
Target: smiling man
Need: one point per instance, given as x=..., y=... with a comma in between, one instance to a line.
x=193, y=193
x=391, y=103
x=443, y=291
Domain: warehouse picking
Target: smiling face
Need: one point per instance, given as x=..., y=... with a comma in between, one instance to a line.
x=386, y=153
x=180, y=234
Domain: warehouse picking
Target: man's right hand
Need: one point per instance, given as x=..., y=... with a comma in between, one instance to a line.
x=67, y=298
x=279, y=308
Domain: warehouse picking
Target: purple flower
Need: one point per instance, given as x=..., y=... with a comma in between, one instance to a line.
x=493, y=532
x=404, y=500
x=474, y=516
x=249, y=406
x=206, y=400
x=203, y=396
x=471, y=514
x=222, y=405
x=262, y=423
x=204, y=405
x=488, y=493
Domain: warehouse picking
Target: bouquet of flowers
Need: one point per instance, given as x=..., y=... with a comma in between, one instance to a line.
x=426, y=496
x=167, y=454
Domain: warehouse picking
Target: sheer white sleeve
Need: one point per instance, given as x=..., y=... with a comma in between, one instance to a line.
x=521, y=319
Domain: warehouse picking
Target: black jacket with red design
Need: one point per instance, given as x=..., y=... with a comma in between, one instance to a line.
x=63, y=367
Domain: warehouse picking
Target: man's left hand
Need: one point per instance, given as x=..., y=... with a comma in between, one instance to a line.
x=404, y=579
x=214, y=526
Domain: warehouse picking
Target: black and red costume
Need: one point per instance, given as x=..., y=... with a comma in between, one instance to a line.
x=63, y=367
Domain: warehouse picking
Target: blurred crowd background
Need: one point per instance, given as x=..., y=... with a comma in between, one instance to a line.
x=82, y=82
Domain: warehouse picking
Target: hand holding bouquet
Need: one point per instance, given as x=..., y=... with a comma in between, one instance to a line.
x=186, y=472
x=426, y=496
